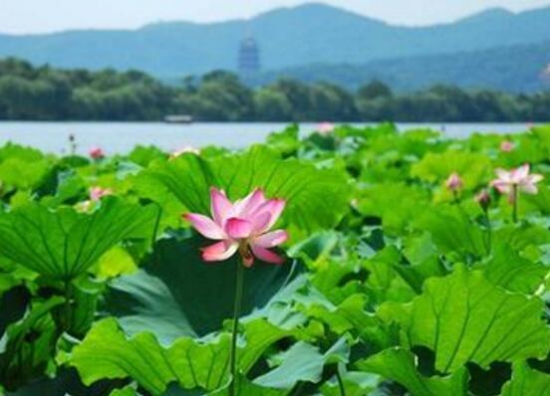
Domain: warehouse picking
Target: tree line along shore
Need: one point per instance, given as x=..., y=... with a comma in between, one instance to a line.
x=49, y=94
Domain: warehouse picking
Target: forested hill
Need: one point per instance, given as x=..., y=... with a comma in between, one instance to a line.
x=515, y=68
x=288, y=37
x=45, y=93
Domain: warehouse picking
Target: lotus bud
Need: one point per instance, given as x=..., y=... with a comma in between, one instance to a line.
x=454, y=182
x=483, y=199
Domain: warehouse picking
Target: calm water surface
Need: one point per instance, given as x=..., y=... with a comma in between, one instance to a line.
x=122, y=137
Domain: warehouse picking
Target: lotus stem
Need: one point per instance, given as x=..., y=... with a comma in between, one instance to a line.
x=456, y=198
x=489, y=232
x=515, y=198
x=235, y=331
x=67, y=314
x=341, y=385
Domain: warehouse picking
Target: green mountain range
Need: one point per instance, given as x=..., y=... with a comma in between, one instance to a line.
x=315, y=40
x=518, y=68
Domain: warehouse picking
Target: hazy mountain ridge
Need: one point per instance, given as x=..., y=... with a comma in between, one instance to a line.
x=289, y=38
x=494, y=68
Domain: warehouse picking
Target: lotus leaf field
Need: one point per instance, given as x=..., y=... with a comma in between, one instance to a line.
x=387, y=264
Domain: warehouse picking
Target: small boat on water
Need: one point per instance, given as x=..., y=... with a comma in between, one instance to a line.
x=178, y=119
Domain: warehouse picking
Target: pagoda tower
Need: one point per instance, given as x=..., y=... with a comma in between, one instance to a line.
x=249, y=57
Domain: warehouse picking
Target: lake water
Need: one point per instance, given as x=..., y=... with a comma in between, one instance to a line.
x=122, y=137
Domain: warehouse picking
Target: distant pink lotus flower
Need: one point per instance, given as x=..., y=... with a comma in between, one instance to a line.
x=96, y=193
x=506, y=146
x=454, y=182
x=519, y=179
x=241, y=226
x=325, y=128
x=185, y=149
x=96, y=153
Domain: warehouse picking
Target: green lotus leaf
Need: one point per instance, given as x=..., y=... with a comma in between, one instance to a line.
x=303, y=363
x=400, y=365
x=28, y=345
x=128, y=391
x=66, y=382
x=506, y=268
x=175, y=293
x=464, y=318
x=304, y=186
x=247, y=388
x=527, y=382
x=20, y=174
x=453, y=231
x=144, y=155
x=106, y=353
x=474, y=168
x=396, y=214
x=64, y=243
x=354, y=383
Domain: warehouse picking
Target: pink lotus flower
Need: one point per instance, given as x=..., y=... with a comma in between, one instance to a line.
x=519, y=179
x=506, y=146
x=96, y=153
x=241, y=226
x=325, y=128
x=454, y=182
x=96, y=193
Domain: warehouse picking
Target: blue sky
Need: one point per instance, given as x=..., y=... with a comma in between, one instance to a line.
x=33, y=16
